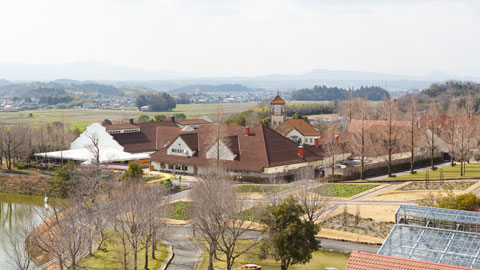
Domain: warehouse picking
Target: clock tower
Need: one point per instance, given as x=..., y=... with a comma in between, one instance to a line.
x=277, y=111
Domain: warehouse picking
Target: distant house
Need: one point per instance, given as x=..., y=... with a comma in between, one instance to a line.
x=299, y=131
x=144, y=108
x=239, y=149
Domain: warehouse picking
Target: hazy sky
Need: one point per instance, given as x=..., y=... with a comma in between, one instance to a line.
x=257, y=37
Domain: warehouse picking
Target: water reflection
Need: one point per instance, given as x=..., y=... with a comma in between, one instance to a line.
x=12, y=217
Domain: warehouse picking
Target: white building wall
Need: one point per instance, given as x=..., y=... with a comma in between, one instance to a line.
x=179, y=148
x=223, y=153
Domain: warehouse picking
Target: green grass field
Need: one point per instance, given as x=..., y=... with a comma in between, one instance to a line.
x=343, y=190
x=260, y=188
x=83, y=117
x=179, y=210
x=109, y=259
x=472, y=171
x=320, y=260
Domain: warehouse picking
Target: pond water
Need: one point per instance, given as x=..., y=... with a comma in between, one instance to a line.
x=14, y=212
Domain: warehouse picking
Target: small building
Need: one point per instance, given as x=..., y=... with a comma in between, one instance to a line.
x=299, y=131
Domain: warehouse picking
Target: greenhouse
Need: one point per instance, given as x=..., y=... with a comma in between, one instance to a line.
x=449, y=219
x=435, y=245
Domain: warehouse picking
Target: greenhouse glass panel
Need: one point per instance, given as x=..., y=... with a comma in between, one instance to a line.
x=433, y=244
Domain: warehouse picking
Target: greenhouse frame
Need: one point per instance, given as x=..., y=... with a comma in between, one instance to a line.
x=467, y=221
x=434, y=245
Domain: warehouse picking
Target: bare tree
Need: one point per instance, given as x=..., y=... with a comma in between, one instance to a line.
x=361, y=141
x=432, y=125
x=450, y=130
x=63, y=235
x=12, y=140
x=332, y=146
x=313, y=200
x=413, y=130
x=217, y=214
x=390, y=137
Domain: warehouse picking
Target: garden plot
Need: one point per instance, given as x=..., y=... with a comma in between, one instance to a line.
x=405, y=192
x=343, y=190
x=249, y=191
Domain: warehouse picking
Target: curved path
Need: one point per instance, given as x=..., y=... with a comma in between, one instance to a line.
x=186, y=252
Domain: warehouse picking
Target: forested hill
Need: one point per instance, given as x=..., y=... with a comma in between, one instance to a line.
x=35, y=89
x=205, y=88
x=323, y=93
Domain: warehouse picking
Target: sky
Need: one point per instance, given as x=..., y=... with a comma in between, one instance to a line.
x=246, y=37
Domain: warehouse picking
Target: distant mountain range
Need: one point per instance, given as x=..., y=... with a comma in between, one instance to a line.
x=205, y=88
x=85, y=70
x=171, y=81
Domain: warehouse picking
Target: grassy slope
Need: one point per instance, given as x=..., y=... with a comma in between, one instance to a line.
x=343, y=190
x=179, y=210
x=260, y=188
x=108, y=260
x=320, y=260
x=473, y=170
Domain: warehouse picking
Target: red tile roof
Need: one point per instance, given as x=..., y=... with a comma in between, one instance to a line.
x=263, y=148
x=300, y=125
x=356, y=125
x=277, y=100
x=193, y=122
x=370, y=261
x=120, y=126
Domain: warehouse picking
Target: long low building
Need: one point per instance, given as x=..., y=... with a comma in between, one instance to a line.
x=259, y=149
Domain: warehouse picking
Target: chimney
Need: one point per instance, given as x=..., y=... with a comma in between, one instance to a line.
x=337, y=139
x=130, y=120
x=172, y=118
x=300, y=151
x=316, y=142
x=247, y=131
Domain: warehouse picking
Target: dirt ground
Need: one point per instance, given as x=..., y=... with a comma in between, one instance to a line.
x=395, y=194
x=334, y=234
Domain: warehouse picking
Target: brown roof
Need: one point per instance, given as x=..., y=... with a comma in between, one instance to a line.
x=120, y=126
x=356, y=125
x=193, y=122
x=368, y=261
x=277, y=100
x=300, y=125
x=263, y=148
x=191, y=139
x=151, y=135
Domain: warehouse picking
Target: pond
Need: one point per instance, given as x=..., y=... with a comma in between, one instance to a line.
x=16, y=210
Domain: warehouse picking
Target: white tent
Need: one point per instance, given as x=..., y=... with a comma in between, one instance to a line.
x=95, y=132
x=87, y=156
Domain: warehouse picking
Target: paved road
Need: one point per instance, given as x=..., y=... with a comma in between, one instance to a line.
x=186, y=252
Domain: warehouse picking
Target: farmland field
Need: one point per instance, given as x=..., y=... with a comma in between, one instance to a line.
x=83, y=117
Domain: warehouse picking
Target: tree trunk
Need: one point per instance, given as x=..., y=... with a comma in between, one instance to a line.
x=146, y=257
x=135, y=258
x=154, y=245
x=211, y=252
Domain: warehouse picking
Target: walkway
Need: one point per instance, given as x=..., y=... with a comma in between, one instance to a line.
x=186, y=252
x=408, y=171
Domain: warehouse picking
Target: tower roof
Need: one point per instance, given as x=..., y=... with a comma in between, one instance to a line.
x=277, y=100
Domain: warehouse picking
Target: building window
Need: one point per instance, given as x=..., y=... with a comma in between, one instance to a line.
x=176, y=150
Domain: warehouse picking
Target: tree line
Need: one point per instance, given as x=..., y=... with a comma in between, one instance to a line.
x=324, y=93
x=156, y=102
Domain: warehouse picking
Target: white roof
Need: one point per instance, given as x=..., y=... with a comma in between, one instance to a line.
x=107, y=154
x=97, y=132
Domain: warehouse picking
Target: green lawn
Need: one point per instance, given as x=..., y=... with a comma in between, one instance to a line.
x=179, y=210
x=343, y=190
x=109, y=259
x=472, y=171
x=320, y=260
x=261, y=188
